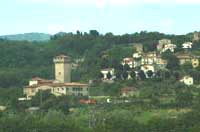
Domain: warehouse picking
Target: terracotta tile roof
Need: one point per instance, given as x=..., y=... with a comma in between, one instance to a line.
x=37, y=79
x=41, y=81
x=51, y=84
x=127, y=60
x=75, y=84
x=62, y=55
x=128, y=89
x=186, y=55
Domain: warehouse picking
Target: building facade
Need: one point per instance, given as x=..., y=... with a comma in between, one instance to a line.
x=58, y=89
x=129, y=62
x=170, y=47
x=138, y=47
x=63, y=67
x=187, y=80
x=106, y=71
x=188, y=58
x=149, y=58
x=162, y=43
x=187, y=45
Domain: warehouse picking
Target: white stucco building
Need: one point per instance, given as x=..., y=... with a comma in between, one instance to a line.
x=187, y=45
x=170, y=47
x=62, y=84
x=106, y=71
x=147, y=68
x=187, y=80
x=137, y=55
x=162, y=43
x=128, y=61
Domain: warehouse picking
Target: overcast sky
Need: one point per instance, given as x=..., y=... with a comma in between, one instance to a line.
x=117, y=16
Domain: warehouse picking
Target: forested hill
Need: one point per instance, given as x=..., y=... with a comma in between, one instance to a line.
x=21, y=60
x=28, y=37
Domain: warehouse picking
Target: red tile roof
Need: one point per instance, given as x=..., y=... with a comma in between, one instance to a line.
x=37, y=79
x=41, y=80
x=57, y=85
x=128, y=89
x=62, y=55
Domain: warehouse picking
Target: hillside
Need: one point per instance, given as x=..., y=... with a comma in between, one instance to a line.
x=21, y=60
x=28, y=37
x=158, y=102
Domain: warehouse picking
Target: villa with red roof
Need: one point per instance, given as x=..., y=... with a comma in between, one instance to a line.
x=62, y=84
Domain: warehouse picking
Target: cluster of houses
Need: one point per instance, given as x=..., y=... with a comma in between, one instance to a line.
x=152, y=61
x=140, y=60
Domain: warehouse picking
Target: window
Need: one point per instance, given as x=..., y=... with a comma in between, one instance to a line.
x=77, y=89
x=33, y=90
x=80, y=94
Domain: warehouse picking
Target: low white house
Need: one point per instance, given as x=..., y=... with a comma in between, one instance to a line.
x=3, y=108
x=187, y=45
x=128, y=91
x=106, y=71
x=137, y=55
x=187, y=80
x=170, y=47
x=162, y=43
x=128, y=61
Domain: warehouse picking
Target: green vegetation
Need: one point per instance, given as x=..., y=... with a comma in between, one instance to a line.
x=160, y=103
x=21, y=60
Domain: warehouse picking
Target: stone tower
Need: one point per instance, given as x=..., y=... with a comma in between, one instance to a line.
x=196, y=37
x=62, y=68
x=138, y=47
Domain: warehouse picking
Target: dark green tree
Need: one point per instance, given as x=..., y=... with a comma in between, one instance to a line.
x=132, y=74
x=172, y=61
x=109, y=76
x=127, y=67
x=125, y=75
x=94, y=33
x=150, y=73
x=101, y=75
x=142, y=75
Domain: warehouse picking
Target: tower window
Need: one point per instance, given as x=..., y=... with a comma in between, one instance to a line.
x=59, y=73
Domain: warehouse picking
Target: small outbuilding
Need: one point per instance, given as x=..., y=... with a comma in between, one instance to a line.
x=128, y=91
x=187, y=80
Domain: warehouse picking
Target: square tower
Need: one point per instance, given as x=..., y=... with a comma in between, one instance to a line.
x=138, y=47
x=196, y=37
x=62, y=68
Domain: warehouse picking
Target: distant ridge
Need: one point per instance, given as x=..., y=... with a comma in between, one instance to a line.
x=28, y=37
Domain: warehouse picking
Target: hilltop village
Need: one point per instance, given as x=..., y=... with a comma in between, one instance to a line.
x=150, y=64
x=142, y=65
